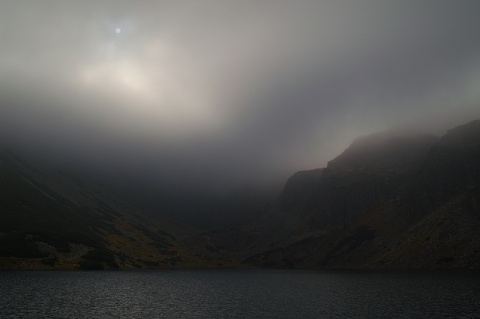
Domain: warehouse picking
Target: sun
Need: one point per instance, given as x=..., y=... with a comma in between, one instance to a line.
x=118, y=30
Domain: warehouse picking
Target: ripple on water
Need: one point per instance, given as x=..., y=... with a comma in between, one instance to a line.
x=239, y=294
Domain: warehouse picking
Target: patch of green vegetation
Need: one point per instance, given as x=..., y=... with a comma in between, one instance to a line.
x=160, y=237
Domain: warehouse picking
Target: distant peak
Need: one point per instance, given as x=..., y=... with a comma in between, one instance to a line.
x=388, y=148
x=466, y=135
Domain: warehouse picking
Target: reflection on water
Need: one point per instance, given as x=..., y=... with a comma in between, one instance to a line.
x=239, y=294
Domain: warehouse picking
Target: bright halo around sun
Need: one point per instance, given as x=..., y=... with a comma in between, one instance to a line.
x=168, y=103
x=149, y=81
x=121, y=75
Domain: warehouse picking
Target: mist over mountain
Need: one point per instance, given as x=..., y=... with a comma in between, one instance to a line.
x=226, y=96
x=165, y=133
x=386, y=202
x=52, y=219
x=390, y=200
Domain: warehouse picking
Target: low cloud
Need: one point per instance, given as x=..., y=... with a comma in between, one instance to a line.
x=228, y=92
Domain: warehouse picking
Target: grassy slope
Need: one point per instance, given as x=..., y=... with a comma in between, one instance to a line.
x=53, y=221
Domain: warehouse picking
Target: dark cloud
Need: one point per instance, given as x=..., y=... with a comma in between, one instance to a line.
x=229, y=92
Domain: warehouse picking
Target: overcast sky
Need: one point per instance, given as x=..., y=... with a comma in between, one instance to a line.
x=230, y=92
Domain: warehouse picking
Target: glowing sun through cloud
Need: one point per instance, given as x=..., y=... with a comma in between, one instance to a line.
x=123, y=76
x=274, y=86
x=150, y=83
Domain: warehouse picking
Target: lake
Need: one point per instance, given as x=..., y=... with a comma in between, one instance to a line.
x=239, y=294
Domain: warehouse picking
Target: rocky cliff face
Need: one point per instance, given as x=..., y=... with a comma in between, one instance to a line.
x=390, y=200
x=393, y=201
x=373, y=169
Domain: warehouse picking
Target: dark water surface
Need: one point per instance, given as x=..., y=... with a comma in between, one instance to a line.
x=239, y=294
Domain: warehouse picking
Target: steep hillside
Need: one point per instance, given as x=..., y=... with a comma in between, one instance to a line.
x=372, y=170
x=387, y=201
x=390, y=200
x=52, y=220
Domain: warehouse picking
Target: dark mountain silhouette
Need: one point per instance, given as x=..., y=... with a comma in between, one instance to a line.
x=390, y=200
x=50, y=219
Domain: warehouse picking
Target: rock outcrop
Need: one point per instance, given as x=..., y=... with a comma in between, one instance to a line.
x=388, y=201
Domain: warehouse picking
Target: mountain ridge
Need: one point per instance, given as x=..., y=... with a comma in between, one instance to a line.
x=51, y=220
x=390, y=200
x=399, y=221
